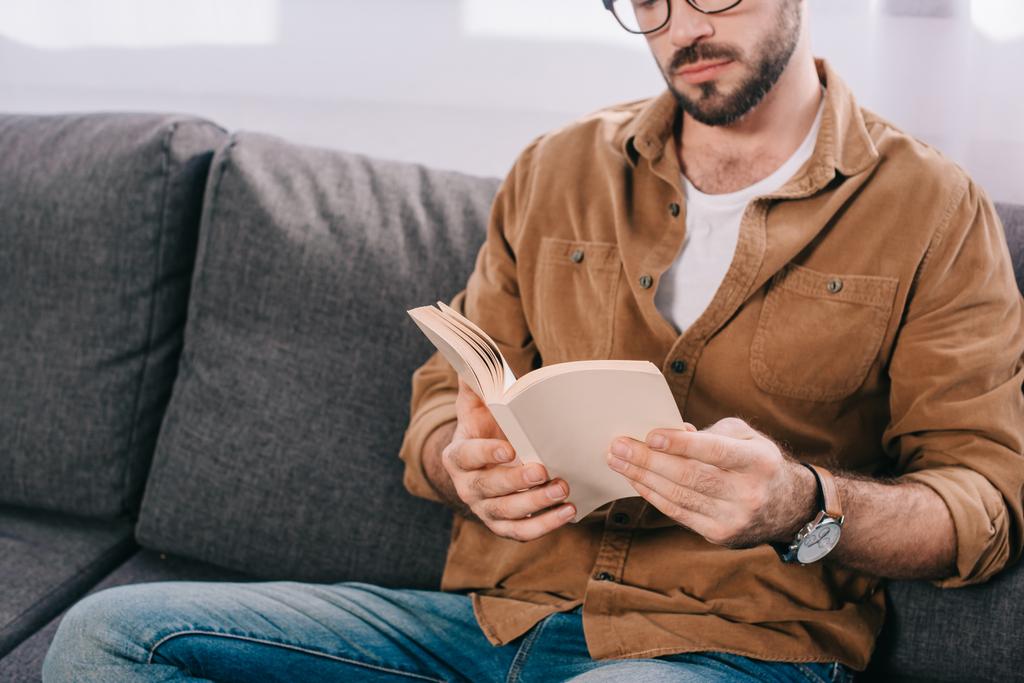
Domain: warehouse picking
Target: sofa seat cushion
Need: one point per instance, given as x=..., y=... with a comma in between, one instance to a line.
x=25, y=662
x=279, y=451
x=98, y=222
x=48, y=560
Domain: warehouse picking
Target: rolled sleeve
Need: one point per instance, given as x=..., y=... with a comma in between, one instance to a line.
x=956, y=403
x=491, y=300
x=981, y=520
x=434, y=389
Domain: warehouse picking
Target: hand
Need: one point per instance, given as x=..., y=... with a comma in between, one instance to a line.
x=494, y=491
x=729, y=483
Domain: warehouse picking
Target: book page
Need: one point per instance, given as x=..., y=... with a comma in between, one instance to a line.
x=487, y=360
x=456, y=350
x=508, y=375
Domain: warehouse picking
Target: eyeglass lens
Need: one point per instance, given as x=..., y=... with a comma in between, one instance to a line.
x=645, y=16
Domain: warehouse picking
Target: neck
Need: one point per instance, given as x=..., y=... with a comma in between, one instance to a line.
x=771, y=131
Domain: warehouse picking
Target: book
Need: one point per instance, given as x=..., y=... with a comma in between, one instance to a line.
x=564, y=415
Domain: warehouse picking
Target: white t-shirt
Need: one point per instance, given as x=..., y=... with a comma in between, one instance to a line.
x=712, y=231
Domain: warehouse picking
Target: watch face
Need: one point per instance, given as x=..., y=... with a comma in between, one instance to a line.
x=819, y=542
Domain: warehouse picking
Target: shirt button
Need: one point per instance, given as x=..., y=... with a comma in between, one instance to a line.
x=577, y=255
x=646, y=281
x=679, y=366
x=620, y=518
x=673, y=209
x=604, y=576
x=834, y=285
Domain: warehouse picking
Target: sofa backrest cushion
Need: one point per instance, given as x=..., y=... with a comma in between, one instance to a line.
x=1012, y=216
x=279, y=452
x=98, y=223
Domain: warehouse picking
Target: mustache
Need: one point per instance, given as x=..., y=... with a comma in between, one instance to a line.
x=691, y=54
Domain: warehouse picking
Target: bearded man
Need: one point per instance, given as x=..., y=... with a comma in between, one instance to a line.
x=833, y=307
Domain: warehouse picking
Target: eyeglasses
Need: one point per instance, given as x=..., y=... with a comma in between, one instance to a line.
x=648, y=16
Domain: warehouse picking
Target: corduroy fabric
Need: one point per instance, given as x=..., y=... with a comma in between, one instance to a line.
x=870, y=321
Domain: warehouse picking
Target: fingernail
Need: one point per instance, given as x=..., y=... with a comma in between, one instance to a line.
x=567, y=512
x=656, y=441
x=502, y=455
x=620, y=448
x=534, y=474
x=555, y=491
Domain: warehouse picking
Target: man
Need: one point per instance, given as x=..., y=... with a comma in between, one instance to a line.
x=818, y=288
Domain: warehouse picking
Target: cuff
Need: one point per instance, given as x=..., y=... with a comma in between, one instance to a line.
x=433, y=413
x=981, y=520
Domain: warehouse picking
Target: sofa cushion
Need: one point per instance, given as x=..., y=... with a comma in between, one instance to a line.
x=964, y=634
x=1012, y=216
x=279, y=451
x=47, y=560
x=25, y=662
x=98, y=222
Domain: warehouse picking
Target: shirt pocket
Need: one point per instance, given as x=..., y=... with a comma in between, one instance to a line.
x=819, y=333
x=576, y=285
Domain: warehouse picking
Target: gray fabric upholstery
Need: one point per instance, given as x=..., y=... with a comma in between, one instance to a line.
x=278, y=454
x=98, y=218
x=965, y=634
x=24, y=663
x=47, y=560
x=1012, y=216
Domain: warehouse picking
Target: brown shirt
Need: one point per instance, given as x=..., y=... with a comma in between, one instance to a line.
x=869, y=321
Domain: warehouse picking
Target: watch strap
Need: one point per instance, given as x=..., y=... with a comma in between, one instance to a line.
x=828, y=491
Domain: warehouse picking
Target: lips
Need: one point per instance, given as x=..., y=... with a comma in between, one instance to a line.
x=703, y=71
x=701, y=66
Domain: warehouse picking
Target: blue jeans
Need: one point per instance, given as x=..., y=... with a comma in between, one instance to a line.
x=289, y=631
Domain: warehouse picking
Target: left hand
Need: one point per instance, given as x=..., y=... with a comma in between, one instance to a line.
x=729, y=483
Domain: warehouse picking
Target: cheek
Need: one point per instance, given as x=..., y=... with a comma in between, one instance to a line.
x=662, y=50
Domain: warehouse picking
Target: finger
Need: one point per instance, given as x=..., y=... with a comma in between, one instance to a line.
x=690, y=473
x=475, y=417
x=670, y=489
x=497, y=481
x=535, y=526
x=473, y=454
x=502, y=481
x=725, y=452
x=521, y=504
x=691, y=519
x=468, y=393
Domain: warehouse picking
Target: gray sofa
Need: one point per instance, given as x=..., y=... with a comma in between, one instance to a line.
x=206, y=370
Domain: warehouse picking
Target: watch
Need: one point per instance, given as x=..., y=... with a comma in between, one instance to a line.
x=819, y=536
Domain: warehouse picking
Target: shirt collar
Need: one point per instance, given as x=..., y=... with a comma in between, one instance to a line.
x=843, y=145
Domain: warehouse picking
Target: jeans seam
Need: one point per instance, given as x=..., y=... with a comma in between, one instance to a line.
x=287, y=646
x=524, y=649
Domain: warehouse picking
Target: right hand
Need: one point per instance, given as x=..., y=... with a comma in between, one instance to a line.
x=493, y=491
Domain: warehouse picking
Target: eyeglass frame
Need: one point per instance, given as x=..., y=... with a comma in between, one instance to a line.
x=610, y=6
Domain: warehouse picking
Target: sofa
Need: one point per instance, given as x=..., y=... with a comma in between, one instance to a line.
x=205, y=374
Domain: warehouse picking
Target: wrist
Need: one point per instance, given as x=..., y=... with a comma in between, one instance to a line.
x=804, y=502
x=433, y=466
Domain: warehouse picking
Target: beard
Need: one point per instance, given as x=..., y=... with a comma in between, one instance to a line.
x=769, y=59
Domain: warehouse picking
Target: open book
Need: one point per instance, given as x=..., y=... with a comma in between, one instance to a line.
x=564, y=415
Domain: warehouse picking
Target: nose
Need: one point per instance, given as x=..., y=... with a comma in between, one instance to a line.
x=687, y=25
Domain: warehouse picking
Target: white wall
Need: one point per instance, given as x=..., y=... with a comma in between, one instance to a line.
x=465, y=84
